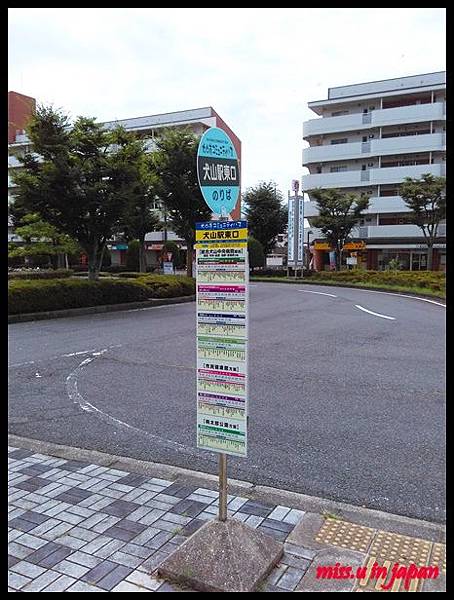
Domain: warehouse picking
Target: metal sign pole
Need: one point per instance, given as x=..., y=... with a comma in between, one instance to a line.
x=222, y=487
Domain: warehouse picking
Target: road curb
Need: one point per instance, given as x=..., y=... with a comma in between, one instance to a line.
x=434, y=532
x=336, y=284
x=92, y=310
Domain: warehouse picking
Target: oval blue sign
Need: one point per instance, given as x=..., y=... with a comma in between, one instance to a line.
x=218, y=171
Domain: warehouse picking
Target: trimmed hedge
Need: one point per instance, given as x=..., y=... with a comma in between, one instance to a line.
x=56, y=274
x=38, y=296
x=435, y=280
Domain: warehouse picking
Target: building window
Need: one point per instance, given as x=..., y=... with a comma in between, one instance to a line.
x=339, y=141
x=338, y=169
x=339, y=113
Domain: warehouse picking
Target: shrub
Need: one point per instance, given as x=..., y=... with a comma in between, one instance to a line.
x=116, y=269
x=38, y=296
x=57, y=274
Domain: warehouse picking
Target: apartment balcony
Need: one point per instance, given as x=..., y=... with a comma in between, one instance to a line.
x=377, y=205
x=369, y=177
x=431, y=142
x=393, y=231
x=377, y=118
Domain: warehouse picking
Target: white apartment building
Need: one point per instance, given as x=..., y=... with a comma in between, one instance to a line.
x=368, y=138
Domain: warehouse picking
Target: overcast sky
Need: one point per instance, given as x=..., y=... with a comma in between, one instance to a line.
x=257, y=68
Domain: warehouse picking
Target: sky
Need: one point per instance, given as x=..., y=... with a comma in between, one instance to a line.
x=257, y=67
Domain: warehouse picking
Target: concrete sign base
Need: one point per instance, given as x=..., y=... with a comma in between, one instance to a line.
x=224, y=556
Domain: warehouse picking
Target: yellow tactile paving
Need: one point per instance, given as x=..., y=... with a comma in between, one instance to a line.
x=344, y=534
x=384, y=549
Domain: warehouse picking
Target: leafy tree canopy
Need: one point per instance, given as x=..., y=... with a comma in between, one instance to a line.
x=266, y=215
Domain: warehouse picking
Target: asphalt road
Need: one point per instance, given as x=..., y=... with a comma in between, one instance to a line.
x=344, y=404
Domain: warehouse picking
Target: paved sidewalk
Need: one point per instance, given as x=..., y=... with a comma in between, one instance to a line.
x=77, y=526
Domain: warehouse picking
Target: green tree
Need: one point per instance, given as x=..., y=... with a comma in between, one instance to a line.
x=172, y=247
x=339, y=212
x=426, y=197
x=141, y=217
x=266, y=215
x=41, y=239
x=82, y=180
x=175, y=161
x=133, y=255
x=256, y=254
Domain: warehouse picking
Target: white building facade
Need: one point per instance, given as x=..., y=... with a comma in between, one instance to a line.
x=369, y=138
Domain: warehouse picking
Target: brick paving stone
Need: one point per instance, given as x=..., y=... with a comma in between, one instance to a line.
x=105, y=524
x=125, y=530
x=74, y=495
x=300, y=551
x=167, y=499
x=83, y=534
x=32, y=484
x=145, y=496
x=136, y=550
x=254, y=521
x=152, y=516
x=276, y=574
x=279, y=512
x=178, y=519
x=25, y=504
x=81, y=586
x=111, y=493
x=236, y=503
x=272, y=588
x=252, y=507
x=53, y=559
x=40, y=530
x=12, y=560
x=213, y=510
x=100, y=504
x=20, y=453
x=61, y=584
x=86, y=560
x=290, y=579
x=146, y=536
x=189, y=508
x=120, y=508
x=153, y=562
x=111, y=547
x=279, y=525
x=206, y=516
x=72, y=542
x=57, y=531
x=14, y=534
x=120, y=487
x=69, y=568
x=162, y=482
x=206, y=492
x=180, y=490
x=293, y=516
x=168, y=587
x=158, y=504
x=97, y=573
x=127, y=559
x=35, y=470
x=132, y=480
x=295, y=561
x=38, y=584
x=158, y=540
x=152, y=487
x=21, y=524
x=93, y=520
x=144, y=580
x=73, y=465
x=125, y=586
x=139, y=513
x=28, y=569
x=81, y=511
x=18, y=550
x=168, y=526
x=96, y=544
x=192, y=527
x=114, y=577
x=17, y=581
x=58, y=508
x=280, y=536
x=71, y=518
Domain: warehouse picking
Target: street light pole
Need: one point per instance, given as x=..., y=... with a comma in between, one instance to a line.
x=308, y=261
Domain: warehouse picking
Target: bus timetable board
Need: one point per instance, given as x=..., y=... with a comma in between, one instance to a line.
x=222, y=279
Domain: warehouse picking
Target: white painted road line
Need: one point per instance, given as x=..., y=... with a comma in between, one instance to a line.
x=320, y=293
x=374, y=313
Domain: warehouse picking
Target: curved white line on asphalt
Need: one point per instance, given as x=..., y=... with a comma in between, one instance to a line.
x=77, y=398
x=374, y=313
x=320, y=293
x=401, y=295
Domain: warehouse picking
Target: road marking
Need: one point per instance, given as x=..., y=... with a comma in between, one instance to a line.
x=321, y=293
x=401, y=295
x=374, y=313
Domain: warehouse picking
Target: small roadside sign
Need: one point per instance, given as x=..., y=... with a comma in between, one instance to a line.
x=218, y=171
